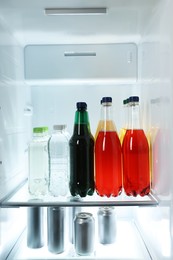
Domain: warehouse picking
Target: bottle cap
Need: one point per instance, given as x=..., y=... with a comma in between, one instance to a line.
x=155, y=100
x=81, y=105
x=106, y=100
x=134, y=99
x=46, y=129
x=125, y=101
x=38, y=130
x=59, y=127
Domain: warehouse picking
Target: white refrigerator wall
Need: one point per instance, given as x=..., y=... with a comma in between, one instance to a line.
x=14, y=97
x=155, y=57
x=41, y=101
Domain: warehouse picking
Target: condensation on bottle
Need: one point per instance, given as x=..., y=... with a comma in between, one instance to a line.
x=58, y=161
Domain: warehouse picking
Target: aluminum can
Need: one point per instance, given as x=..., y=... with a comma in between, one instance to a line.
x=84, y=233
x=73, y=211
x=35, y=224
x=55, y=229
x=106, y=225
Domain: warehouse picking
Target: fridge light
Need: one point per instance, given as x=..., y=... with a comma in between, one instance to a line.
x=75, y=11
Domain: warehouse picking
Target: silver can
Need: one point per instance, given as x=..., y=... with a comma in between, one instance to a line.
x=84, y=233
x=107, y=225
x=55, y=229
x=73, y=211
x=35, y=224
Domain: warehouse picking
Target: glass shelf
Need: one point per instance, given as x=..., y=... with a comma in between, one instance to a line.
x=21, y=198
x=128, y=245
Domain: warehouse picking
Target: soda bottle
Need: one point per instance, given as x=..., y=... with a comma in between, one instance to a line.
x=108, y=155
x=81, y=154
x=58, y=161
x=125, y=119
x=38, y=162
x=136, y=170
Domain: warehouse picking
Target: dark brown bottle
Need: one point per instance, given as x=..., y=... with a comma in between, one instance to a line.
x=81, y=154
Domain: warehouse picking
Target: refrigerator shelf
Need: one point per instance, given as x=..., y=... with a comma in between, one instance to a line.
x=21, y=198
x=129, y=244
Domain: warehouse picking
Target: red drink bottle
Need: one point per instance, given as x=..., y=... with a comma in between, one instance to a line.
x=136, y=167
x=108, y=156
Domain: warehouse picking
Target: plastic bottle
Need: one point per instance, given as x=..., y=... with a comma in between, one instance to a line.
x=136, y=170
x=108, y=155
x=125, y=119
x=58, y=161
x=81, y=154
x=38, y=162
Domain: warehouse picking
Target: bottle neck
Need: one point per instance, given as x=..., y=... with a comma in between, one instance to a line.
x=58, y=131
x=43, y=137
x=38, y=135
x=134, y=116
x=126, y=116
x=81, y=125
x=107, y=117
x=106, y=111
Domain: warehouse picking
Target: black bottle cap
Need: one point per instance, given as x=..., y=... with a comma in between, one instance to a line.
x=134, y=99
x=106, y=100
x=81, y=105
x=125, y=101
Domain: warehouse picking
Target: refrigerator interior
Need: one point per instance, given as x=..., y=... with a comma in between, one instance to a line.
x=47, y=64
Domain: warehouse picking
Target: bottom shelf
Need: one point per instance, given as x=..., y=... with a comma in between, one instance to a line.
x=129, y=245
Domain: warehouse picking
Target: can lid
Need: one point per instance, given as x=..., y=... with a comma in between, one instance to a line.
x=56, y=209
x=59, y=127
x=134, y=99
x=106, y=210
x=81, y=105
x=106, y=100
x=83, y=215
x=39, y=130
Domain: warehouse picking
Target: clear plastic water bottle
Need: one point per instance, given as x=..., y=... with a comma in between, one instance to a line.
x=58, y=161
x=38, y=162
